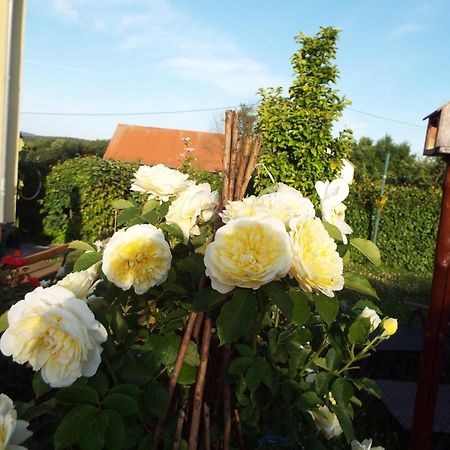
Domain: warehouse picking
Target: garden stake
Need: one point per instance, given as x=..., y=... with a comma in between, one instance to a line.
x=174, y=378
x=198, y=326
x=200, y=384
x=226, y=398
x=254, y=152
x=234, y=154
x=239, y=429
x=206, y=419
x=179, y=430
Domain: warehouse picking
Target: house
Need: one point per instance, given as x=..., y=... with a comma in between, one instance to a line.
x=151, y=145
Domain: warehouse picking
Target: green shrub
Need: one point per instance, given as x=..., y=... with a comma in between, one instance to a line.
x=408, y=225
x=78, y=196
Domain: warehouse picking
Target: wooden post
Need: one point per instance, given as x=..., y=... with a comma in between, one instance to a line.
x=436, y=331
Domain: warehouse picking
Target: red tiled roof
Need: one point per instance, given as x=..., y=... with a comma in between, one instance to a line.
x=151, y=145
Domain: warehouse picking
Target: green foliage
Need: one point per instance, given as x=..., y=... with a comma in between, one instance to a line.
x=79, y=195
x=404, y=168
x=409, y=221
x=298, y=145
x=36, y=159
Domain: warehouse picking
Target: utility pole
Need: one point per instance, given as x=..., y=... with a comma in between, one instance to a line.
x=12, y=14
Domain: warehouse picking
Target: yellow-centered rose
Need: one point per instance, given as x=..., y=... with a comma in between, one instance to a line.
x=54, y=332
x=248, y=252
x=317, y=265
x=12, y=430
x=137, y=257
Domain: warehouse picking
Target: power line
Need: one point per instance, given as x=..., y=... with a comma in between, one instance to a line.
x=152, y=113
x=388, y=119
x=184, y=111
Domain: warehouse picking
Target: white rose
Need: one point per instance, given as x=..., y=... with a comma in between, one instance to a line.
x=248, y=252
x=333, y=210
x=138, y=256
x=195, y=205
x=347, y=171
x=246, y=207
x=159, y=181
x=12, y=430
x=368, y=313
x=81, y=283
x=56, y=333
x=366, y=444
x=327, y=422
x=316, y=265
x=286, y=203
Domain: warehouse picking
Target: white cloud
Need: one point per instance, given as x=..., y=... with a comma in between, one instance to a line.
x=408, y=28
x=66, y=8
x=237, y=75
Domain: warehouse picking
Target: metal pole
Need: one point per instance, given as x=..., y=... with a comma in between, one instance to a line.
x=436, y=331
x=383, y=185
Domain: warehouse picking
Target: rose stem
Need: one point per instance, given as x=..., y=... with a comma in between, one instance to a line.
x=200, y=384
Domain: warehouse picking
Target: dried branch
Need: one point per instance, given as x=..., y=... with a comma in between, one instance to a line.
x=239, y=430
x=207, y=422
x=178, y=430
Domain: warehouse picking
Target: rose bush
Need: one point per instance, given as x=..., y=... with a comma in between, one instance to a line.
x=111, y=334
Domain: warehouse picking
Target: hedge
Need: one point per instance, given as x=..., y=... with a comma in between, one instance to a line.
x=408, y=226
x=78, y=196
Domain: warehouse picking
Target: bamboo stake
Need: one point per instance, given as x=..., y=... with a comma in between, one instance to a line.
x=242, y=164
x=207, y=421
x=178, y=430
x=198, y=326
x=174, y=378
x=200, y=384
x=234, y=154
x=226, y=156
x=239, y=429
x=254, y=152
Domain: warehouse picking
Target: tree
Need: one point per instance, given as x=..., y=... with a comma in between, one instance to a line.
x=296, y=131
x=404, y=168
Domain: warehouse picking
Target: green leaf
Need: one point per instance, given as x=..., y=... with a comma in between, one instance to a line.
x=92, y=429
x=86, y=260
x=150, y=205
x=151, y=217
x=172, y=230
x=265, y=371
x=40, y=387
x=99, y=382
x=192, y=264
x=253, y=378
x=206, y=298
x=322, y=382
x=66, y=434
x=122, y=204
x=155, y=398
x=327, y=307
x=4, y=322
x=169, y=350
x=345, y=421
x=334, y=359
x=188, y=374
x=357, y=333
x=245, y=350
x=80, y=245
x=128, y=389
x=308, y=400
x=342, y=391
x=240, y=365
x=115, y=432
x=123, y=404
x=127, y=214
x=368, y=249
x=369, y=386
x=333, y=231
x=359, y=283
x=301, y=310
x=277, y=293
x=192, y=357
x=237, y=316
x=77, y=394
x=163, y=210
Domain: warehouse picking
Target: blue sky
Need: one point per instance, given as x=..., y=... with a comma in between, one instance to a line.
x=119, y=56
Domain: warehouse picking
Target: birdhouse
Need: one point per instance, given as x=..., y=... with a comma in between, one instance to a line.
x=437, y=140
